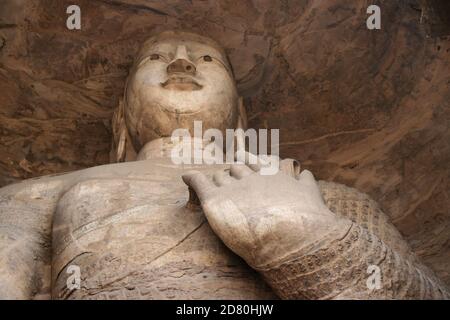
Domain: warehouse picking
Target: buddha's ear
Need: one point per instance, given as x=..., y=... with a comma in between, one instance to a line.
x=242, y=115
x=122, y=149
x=119, y=142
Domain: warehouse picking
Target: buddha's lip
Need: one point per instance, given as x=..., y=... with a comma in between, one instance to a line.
x=181, y=82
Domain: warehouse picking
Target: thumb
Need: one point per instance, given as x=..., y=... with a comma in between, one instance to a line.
x=290, y=167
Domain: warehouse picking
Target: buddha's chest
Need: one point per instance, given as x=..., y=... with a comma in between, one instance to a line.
x=135, y=238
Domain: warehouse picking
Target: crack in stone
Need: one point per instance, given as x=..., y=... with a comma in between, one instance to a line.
x=106, y=287
x=179, y=242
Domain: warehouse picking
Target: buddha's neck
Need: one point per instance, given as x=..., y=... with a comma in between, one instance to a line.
x=166, y=148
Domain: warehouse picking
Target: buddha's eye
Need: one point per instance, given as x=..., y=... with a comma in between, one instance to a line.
x=207, y=58
x=155, y=56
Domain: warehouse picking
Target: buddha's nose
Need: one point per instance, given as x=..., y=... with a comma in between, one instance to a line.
x=181, y=66
x=181, y=62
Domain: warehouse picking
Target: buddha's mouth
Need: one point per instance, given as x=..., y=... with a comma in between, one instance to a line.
x=181, y=82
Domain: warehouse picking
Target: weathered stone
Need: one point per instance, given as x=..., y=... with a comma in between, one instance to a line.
x=365, y=108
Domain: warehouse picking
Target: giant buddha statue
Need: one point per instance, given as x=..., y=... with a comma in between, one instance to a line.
x=148, y=228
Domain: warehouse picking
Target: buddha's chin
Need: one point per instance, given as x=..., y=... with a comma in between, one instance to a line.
x=179, y=103
x=180, y=110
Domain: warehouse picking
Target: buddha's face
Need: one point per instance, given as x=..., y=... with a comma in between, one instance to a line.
x=179, y=78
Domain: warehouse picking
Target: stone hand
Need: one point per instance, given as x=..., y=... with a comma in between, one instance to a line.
x=262, y=218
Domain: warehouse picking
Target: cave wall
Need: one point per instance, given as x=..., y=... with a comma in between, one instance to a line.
x=366, y=108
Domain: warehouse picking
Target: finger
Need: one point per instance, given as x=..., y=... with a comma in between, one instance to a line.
x=240, y=171
x=253, y=162
x=240, y=156
x=270, y=164
x=222, y=178
x=290, y=167
x=306, y=177
x=202, y=186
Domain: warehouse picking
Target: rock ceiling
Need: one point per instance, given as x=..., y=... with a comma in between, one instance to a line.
x=366, y=108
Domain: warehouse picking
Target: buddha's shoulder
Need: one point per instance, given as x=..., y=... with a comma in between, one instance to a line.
x=154, y=174
x=156, y=171
x=154, y=186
